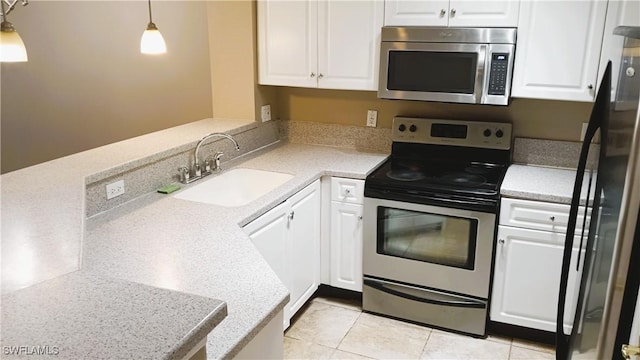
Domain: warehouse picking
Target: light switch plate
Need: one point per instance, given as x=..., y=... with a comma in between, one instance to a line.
x=372, y=118
x=265, y=113
x=115, y=189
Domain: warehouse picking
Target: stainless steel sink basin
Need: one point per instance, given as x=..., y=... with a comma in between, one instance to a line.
x=235, y=187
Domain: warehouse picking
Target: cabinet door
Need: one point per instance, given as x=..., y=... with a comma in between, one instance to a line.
x=527, y=279
x=304, y=244
x=268, y=233
x=348, y=44
x=287, y=42
x=346, y=246
x=558, y=49
x=484, y=13
x=416, y=12
x=619, y=13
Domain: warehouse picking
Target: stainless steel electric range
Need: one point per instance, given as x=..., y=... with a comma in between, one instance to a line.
x=429, y=222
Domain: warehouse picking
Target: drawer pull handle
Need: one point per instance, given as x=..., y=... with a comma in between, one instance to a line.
x=552, y=218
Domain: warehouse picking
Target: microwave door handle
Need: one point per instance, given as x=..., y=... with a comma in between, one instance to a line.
x=481, y=78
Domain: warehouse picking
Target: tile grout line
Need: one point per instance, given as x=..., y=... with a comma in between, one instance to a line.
x=348, y=331
x=424, y=348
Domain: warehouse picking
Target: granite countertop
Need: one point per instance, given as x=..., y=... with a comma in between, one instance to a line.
x=79, y=315
x=201, y=249
x=541, y=183
x=176, y=247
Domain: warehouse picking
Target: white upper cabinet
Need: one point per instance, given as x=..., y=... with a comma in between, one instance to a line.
x=558, y=49
x=349, y=44
x=287, y=42
x=619, y=13
x=416, y=13
x=318, y=43
x=451, y=13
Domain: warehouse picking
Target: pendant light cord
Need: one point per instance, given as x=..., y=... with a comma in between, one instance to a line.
x=150, y=19
x=4, y=16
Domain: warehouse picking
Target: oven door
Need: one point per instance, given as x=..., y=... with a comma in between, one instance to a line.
x=447, y=72
x=429, y=246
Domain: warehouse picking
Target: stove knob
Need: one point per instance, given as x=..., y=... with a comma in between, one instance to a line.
x=499, y=133
x=402, y=127
x=412, y=128
x=487, y=133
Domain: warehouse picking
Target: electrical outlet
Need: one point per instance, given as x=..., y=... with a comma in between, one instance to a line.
x=265, y=112
x=372, y=118
x=583, y=132
x=115, y=189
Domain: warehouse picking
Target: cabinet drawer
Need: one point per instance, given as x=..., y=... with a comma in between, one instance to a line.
x=347, y=190
x=538, y=215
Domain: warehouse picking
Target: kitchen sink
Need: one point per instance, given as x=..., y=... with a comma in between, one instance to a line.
x=235, y=187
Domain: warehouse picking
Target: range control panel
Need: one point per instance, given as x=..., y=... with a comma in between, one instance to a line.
x=489, y=135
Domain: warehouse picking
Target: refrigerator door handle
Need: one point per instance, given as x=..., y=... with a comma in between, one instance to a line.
x=600, y=110
x=584, y=221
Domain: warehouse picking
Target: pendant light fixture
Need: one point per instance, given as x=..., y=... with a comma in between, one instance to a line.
x=12, y=47
x=152, y=42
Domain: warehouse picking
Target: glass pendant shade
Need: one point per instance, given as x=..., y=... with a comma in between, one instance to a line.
x=152, y=41
x=12, y=47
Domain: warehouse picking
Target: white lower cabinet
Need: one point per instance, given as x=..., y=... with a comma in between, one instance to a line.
x=288, y=237
x=346, y=246
x=527, y=278
x=346, y=233
x=527, y=270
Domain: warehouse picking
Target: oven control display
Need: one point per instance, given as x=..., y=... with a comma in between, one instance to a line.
x=449, y=131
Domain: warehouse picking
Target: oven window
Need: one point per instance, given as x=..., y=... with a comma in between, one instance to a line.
x=447, y=72
x=432, y=238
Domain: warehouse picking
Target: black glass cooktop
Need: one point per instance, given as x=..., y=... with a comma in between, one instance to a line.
x=442, y=176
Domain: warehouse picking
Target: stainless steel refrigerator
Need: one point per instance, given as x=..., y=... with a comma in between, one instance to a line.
x=610, y=246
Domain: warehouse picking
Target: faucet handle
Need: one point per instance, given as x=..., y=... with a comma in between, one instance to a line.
x=216, y=159
x=184, y=174
x=207, y=165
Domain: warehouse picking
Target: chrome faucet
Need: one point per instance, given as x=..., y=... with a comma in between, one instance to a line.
x=196, y=172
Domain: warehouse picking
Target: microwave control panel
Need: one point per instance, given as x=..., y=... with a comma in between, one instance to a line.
x=498, y=74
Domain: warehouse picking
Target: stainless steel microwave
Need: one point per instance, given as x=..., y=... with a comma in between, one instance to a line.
x=459, y=65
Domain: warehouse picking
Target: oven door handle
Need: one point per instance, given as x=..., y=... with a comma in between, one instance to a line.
x=467, y=304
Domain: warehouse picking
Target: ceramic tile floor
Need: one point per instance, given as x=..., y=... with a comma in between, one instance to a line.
x=333, y=328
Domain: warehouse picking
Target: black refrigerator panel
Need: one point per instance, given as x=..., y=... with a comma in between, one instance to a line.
x=594, y=334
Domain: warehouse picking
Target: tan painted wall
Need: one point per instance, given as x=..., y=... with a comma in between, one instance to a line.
x=86, y=83
x=556, y=120
x=234, y=67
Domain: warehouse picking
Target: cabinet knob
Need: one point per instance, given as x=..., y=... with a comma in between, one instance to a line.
x=590, y=87
x=320, y=76
x=360, y=217
x=552, y=218
x=291, y=214
x=313, y=75
x=453, y=12
x=501, y=241
x=443, y=12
